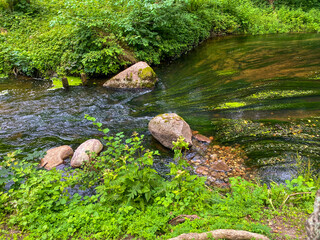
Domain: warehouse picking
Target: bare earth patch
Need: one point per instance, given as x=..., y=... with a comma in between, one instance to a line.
x=287, y=225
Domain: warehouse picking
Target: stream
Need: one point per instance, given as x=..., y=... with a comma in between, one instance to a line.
x=262, y=92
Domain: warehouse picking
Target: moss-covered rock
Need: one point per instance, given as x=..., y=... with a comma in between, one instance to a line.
x=138, y=76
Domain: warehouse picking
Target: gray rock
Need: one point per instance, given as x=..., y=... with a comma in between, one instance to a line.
x=139, y=75
x=56, y=156
x=168, y=127
x=313, y=222
x=81, y=155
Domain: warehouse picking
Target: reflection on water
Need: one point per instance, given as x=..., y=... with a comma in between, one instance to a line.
x=258, y=79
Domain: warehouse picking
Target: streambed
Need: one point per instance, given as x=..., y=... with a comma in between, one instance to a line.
x=262, y=92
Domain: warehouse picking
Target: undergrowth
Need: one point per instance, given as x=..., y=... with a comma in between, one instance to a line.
x=130, y=198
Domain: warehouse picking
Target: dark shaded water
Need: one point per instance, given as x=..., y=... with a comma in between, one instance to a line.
x=262, y=92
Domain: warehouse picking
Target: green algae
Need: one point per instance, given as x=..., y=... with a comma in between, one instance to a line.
x=230, y=105
x=268, y=142
x=226, y=72
x=73, y=81
x=274, y=94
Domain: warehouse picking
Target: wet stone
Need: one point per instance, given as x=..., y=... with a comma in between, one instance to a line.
x=201, y=138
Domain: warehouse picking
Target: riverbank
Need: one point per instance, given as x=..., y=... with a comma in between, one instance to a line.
x=45, y=38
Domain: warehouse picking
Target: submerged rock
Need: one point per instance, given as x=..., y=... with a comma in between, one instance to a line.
x=218, y=163
x=201, y=138
x=83, y=152
x=168, y=127
x=56, y=157
x=139, y=75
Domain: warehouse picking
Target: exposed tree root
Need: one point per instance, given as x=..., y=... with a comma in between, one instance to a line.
x=221, y=234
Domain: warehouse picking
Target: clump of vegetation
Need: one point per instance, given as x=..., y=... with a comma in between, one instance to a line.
x=131, y=198
x=41, y=37
x=280, y=94
x=229, y=105
x=72, y=81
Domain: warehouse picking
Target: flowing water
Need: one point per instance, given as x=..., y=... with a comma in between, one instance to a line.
x=262, y=92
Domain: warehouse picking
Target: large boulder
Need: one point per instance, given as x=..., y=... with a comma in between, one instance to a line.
x=139, y=75
x=56, y=156
x=168, y=127
x=313, y=222
x=84, y=151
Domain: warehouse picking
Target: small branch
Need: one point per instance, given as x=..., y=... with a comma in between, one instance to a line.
x=270, y=199
x=291, y=195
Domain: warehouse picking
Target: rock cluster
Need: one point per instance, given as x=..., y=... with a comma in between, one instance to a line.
x=56, y=156
x=218, y=163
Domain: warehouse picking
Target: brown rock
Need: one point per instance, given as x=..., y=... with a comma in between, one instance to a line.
x=168, y=127
x=55, y=156
x=139, y=75
x=220, y=166
x=81, y=155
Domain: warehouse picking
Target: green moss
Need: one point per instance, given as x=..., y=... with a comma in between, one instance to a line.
x=148, y=77
x=147, y=74
x=73, y=81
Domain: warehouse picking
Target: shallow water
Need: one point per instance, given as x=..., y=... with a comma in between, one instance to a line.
x=262, y=92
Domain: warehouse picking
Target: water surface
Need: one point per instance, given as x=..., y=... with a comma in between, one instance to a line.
x=262, y=92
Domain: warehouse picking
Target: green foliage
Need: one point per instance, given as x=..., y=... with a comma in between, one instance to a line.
x=102, y=37
x=246, y=198
x=14, y=5
x=181, y=192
